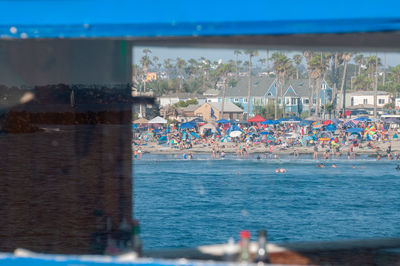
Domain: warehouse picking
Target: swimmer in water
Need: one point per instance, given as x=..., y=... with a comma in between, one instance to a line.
x=322, y=165
x=282, y=170
x=334, y=166
x=398, y=167
x=258, y=157
x=277, y=170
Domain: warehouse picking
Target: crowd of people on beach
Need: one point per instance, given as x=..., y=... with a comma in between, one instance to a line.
x=325, y=139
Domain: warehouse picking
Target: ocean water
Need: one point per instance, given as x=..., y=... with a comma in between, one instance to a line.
x=186, y=203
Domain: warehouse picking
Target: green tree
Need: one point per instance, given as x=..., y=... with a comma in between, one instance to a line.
x=180, y=66
x=222, y=71
x=297, y=61
x=359, y=60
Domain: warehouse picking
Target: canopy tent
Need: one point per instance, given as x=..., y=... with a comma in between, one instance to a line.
x=223, y=121
x=158, y=120
x=233, y=128
x=256, y=119
x=187, y=125
x=141, y=121
x=208, y=126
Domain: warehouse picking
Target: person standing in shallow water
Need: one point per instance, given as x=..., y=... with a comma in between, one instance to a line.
x=315, y=154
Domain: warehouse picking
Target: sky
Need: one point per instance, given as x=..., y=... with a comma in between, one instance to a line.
x=392, y=59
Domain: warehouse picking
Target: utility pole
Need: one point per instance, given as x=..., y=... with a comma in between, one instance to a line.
x=384, y=69
x=268, y=63
x=376, y=86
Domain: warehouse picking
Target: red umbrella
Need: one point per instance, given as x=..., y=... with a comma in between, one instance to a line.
x=327, y=122
x=256, y=119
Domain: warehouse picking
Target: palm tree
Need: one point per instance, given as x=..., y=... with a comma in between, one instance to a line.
x=168, y=67
x=372, y=62
x=297, y=60
x=223, y=70
x=237, y=53
x=346, y=57
x=251, y=54
x=319, y=64
x=262, y=62
x=180, y=66
x=359, y=60
x=282, y=65
x=308, y=55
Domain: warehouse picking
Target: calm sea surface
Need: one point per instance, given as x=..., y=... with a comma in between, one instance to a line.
x=186, y=203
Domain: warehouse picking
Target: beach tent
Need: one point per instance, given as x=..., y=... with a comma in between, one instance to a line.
x=354, y=130
x=256, y=119
x=162, y=140
x=197, y=121
x=208, y=125
x=233, y=128
x=223, y=121
x=141, y=121
x=235, y=133
x=187, y=125
x=194, y=134
x=158, y=120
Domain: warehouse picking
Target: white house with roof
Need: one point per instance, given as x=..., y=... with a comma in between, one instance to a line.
x=366, y=99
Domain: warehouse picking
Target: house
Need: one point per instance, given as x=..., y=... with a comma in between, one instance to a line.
x=359, y=98
x=231, y=111
x=171, y=99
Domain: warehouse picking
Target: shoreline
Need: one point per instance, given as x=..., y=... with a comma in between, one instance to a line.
x=229, y=149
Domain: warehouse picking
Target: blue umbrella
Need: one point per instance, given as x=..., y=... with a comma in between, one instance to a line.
x=362, y=119
x=223, y=121
x=268, y=122
x=330, y=127
x=187, y=125
x=293, y=118
x=305, y=123
x=354, y=130
x=265, y=133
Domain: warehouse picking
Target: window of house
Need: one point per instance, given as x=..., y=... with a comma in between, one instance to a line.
x=269, y=94
x=314, y=101
x=381, y=101
x=287, y=100
x=236, y=100
x=245, y=100
x=365, y=101
x=294, y=101
x=306, y=101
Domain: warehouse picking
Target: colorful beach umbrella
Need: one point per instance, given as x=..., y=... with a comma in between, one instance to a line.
x=317, y=125
x=369, y=131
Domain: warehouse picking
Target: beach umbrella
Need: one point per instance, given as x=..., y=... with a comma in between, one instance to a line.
x=265, y=133
x=256, y=119
x=305, y=123
x=234, y=134
x=158, y=120
x=327, y=122
x=174, y=141
x=223, y=121
x=369, y=131
x=317, y=125
x=268, y=122
x=187, y=125
x=330, y=127
x=293, y=119
x=349, y=124
x=362, y=119
x=354, y=130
